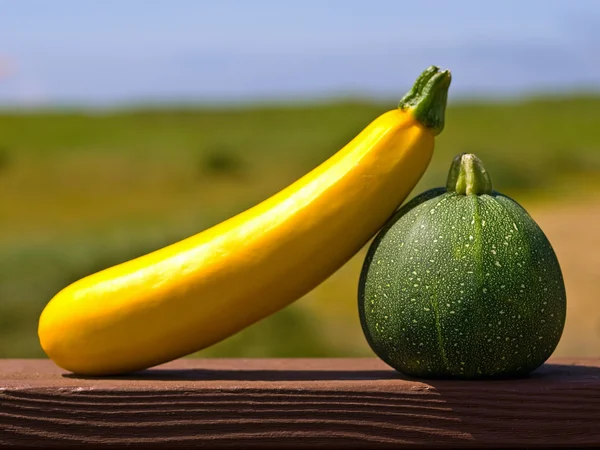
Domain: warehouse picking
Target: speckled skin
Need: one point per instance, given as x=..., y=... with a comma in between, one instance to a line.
x=464, y=286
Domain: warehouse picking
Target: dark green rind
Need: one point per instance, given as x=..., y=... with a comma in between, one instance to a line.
x=470, y=317
x=428, y=97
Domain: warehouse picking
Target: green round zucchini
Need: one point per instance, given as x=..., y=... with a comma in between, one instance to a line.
x=462, y=283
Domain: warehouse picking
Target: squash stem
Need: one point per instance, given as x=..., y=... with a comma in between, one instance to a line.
x=467, y=176
x=428, y=97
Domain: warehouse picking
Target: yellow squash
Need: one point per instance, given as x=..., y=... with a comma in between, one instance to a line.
x=196, y=292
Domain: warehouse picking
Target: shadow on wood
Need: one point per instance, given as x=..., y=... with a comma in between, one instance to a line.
x=553, y=371
x=333, y=403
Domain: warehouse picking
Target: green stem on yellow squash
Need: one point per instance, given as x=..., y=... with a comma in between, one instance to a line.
x=427, y=98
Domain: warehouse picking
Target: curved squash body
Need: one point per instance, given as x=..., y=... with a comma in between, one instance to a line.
x=194, y=293
x=462, y=286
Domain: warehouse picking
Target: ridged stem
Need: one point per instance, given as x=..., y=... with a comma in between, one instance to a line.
x=467, y=176
x=428, y=97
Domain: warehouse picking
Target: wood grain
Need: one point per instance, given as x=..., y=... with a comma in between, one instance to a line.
x=332, y=403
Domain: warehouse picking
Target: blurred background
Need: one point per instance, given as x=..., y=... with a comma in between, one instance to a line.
x=126, y=126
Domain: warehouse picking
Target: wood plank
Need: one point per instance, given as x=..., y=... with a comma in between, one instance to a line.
x=349, y=403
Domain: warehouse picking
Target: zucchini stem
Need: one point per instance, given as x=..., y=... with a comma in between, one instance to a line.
x=428, y=97
x=467, y=176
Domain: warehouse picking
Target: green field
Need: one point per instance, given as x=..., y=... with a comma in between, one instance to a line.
x=80, y=191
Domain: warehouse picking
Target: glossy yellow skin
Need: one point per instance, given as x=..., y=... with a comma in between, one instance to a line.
x=196, y=292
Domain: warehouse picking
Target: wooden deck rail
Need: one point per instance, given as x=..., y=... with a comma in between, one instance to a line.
x=274, y=403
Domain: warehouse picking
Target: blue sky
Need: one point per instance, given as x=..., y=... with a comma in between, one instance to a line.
x=127, y=51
